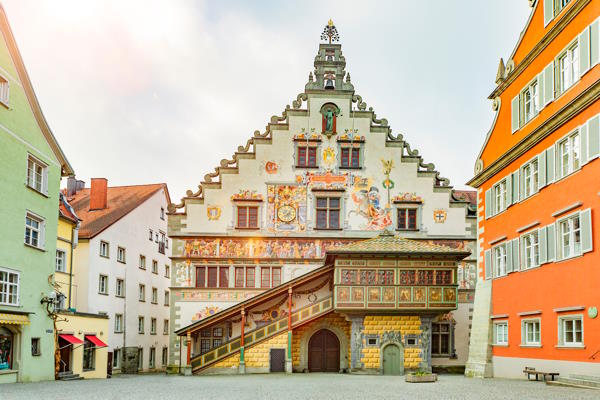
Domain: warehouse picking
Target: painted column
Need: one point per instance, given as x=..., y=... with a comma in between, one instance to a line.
x=242, y=366
x=288, y=360
x=356, y=341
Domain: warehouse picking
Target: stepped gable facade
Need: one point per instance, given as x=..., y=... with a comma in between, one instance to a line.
x=324, y=174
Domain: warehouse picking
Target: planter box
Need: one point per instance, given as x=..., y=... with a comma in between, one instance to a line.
x=420, y=378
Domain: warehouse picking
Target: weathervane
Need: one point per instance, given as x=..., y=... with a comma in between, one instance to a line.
x=330, y=32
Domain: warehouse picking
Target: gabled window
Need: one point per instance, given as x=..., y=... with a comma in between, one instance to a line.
x=247, y=217
x=328, y=212
x=34, y=231
x=500, y=197
x=531, y=252
x=501, y=333
x=37, y=174
x=499, y=260
x=306, y=156
x=9, y=287
x=568, y=67
x=569, y=237
x=529, y=176
x=407, y=219
x=568, y=154
x=530, y=332
x=104, y=249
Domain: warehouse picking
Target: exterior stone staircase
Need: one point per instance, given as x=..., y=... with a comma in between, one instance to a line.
x=579, y=381
x=68, y=376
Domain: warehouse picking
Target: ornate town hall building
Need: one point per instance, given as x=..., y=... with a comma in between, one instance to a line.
x=326, y=243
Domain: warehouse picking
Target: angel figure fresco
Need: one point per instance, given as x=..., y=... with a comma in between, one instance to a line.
x=369, y=207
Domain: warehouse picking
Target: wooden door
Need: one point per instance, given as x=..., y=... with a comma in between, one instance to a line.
x=277, y=362
x=392, y=360
x=65, y=355
x=324, y=352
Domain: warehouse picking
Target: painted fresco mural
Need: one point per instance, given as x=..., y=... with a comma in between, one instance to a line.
x=286, y=208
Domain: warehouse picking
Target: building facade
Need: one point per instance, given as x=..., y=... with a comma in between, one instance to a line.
x=326, y=173
x=537, y=193
x=123, y=269
x=80, y=337
x=32, y=166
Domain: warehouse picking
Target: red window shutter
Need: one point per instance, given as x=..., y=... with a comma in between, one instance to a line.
x=301, y=156
x=345, y=157
x=312, y=156
x=412, y=219
x=239, y=277
x=276, y=276
x=200, y=282
x=401, y=219
x=265, y=278
x=223, y=277
x=252, y=217
x=242, y=217
x=212, y=277
x=250, y=277
x=355, y=158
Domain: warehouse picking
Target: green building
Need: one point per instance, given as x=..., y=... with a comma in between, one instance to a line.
x=32, y=167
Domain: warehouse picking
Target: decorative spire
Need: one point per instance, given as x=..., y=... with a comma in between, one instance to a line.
x=330, y=32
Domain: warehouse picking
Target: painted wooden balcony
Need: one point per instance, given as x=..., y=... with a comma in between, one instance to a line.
x=255, y=336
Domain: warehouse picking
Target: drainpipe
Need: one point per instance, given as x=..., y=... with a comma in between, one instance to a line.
x=74, y=242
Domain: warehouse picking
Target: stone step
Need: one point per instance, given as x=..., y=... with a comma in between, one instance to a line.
x=68, y=376
x=585, y=377
x=579, y=383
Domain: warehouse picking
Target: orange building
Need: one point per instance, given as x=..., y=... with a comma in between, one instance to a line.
x=538, y=183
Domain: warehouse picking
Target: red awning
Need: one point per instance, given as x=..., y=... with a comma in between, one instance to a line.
x=71, y=339
x=97, y=342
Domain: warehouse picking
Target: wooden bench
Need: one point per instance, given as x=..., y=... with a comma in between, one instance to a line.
x=544, y=375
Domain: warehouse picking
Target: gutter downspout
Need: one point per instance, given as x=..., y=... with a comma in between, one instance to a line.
x=74, y=242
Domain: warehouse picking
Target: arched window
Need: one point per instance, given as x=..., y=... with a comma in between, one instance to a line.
x=6, y=348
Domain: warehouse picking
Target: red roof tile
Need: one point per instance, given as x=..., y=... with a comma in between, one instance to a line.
x=121, y=201
x=467, y=195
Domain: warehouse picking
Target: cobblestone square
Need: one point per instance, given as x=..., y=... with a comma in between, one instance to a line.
x=300, y=386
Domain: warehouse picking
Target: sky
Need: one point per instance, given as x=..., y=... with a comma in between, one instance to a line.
x=146, y=91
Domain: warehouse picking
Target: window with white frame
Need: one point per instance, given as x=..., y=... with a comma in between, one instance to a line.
x=9, y=287
x=154, y=267
x=151, y=235
x=37, y=172
x=153, y=326
x=120, y=288
x=61, y=260
x=501, y=333
x=569, y=236
x=142, y=292
x=500, y=260
x=154, y=295
x=166, y=327
x=570, y=330
x=167, y=271
x=529, y=175
x=103, y=284
x=568, y=154
x=162, y=213
x=142, y=262
x=530, y=332
x=34, y=230
x=559, y=5
x=118, y=323
x=531, y=252
x=121, y=254
x=166, y=297
x=152, y=359
x=140, y=324
x=4, y=91
x=500, y=196
x=104, y=249
x=165, y=356
x=529, y=100
x=568, y=67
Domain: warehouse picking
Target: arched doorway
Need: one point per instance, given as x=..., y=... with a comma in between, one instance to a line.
x=393, y=360
x=324, y=352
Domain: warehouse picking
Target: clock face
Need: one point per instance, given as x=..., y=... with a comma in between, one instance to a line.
x=286, y=213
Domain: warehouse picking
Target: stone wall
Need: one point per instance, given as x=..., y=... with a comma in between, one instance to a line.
x=387, y=327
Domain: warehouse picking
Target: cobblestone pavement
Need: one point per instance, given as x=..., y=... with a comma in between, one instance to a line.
x=297, y=386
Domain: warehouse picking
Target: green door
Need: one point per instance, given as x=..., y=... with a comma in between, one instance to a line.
x=392, y=360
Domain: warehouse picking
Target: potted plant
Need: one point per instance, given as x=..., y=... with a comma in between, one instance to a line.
x=420, y=376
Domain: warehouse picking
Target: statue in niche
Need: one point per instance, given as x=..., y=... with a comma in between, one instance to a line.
x=330, y=112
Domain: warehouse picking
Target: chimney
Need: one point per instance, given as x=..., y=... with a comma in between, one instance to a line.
x=98, y=194
x=71, y=186
x=79, y=185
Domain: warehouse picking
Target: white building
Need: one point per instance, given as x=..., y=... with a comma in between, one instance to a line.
x=123, y=268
